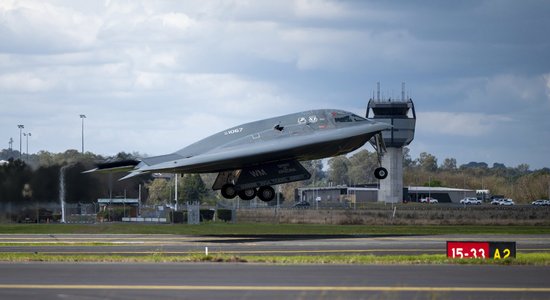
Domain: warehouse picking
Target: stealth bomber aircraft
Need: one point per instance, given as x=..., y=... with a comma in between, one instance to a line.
x=252, y=157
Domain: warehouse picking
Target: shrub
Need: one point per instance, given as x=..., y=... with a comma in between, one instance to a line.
x=224, y=214
x=179, y=216
x=207, y=214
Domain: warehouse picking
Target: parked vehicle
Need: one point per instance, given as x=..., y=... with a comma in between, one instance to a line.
x=470, y=200
x=429, y=200
x=507, y=202
x=541, y=202
x=301, y=204
x=496, y=201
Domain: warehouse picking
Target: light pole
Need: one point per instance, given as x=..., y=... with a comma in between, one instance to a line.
x=82, y=117
x=27, y=136
x=176, y=191
x=20, y=138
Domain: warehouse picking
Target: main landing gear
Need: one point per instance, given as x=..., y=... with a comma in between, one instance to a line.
x=258, y=180
x=265, y=193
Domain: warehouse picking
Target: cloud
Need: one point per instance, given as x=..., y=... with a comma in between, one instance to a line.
x=151, y=75
x=546, y=78
x=459, y=124
x=25, y=82
x=41, y=27
x=321, y=9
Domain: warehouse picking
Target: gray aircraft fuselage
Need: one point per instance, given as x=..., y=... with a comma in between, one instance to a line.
x=300, y=136
x=307, y=135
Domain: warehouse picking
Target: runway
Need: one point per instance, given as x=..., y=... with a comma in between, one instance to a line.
x=258, y=281
x=253, y=245
x=264, y=281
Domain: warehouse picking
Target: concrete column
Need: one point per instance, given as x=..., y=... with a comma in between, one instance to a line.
x=391, y=188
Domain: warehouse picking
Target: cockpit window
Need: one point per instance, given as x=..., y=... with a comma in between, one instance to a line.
x=357, y=118
x=344, y=118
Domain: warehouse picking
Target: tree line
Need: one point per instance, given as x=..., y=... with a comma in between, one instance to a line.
x=519, y=183
x=36, y=178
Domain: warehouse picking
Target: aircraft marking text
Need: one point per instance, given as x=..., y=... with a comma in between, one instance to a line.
x=233, y=131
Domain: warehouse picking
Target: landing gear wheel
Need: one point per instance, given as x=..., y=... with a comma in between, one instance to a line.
x=228, y=191
x=266, y=193
x=380, y=173
x=247, y=194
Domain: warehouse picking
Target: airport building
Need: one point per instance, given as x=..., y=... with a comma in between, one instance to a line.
x=360, y=195
x=130, y=204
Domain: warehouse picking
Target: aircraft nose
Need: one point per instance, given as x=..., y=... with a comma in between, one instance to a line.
x=381, y=126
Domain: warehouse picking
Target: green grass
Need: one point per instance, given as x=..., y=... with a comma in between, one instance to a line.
x=266, y=229
x=55, y=243
x=539, y=259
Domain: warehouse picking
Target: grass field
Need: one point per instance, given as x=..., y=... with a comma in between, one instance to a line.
x=267, y=229
x=539, y=259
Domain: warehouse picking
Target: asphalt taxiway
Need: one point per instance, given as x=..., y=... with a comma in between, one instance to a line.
x=259, y=281
x=253, y=245
x=35, y=280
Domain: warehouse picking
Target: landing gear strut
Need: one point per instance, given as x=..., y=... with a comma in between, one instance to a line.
x=377, y=143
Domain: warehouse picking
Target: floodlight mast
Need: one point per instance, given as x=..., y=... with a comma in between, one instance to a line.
x=20, y=139
x=82, y=117
x=27, y=136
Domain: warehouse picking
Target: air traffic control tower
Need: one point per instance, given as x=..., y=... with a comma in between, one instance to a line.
x=401, y=115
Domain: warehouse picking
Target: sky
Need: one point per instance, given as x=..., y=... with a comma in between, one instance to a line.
x=154, y=76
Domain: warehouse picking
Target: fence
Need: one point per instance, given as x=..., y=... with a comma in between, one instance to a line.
x=401, y=215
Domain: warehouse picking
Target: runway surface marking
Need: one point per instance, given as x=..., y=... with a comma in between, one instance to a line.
x=276, y=288
x=251, y=238
x=247, y=251
x=342, y=251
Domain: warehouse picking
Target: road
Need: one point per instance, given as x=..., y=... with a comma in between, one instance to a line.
x=258, y=281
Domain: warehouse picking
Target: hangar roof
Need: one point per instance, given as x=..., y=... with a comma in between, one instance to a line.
x=436, y=189
x=118, y=201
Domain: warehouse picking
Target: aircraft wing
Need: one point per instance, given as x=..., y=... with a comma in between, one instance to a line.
x=299, y=147
x=117, y=166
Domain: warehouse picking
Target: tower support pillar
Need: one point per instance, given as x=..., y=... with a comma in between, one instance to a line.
x=391, y=188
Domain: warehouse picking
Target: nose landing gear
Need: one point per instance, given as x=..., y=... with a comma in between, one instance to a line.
x=380, y=173
x=377, y=143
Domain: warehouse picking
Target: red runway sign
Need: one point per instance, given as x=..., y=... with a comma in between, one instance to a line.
x=469, y=249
